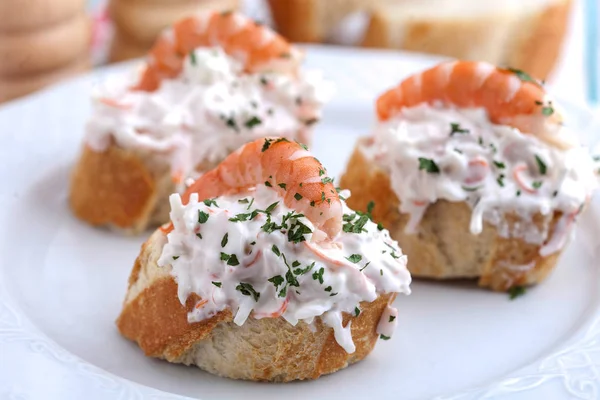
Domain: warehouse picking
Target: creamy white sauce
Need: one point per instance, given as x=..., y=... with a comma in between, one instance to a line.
x=209, y=110
x=321, y=278
x=496, y=169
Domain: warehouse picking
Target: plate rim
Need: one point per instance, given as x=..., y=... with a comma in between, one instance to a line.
x=16, y=326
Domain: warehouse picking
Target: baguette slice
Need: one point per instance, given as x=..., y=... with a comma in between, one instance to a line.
x=265, y=349
x=312, y=20
x=443, y=247
x=142, y=23
x=527, y=36
x=123, y=189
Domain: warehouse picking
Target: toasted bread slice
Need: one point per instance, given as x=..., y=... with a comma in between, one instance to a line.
x=528, y=37
x=268, y=349
x=443, y=247
x=123, y=189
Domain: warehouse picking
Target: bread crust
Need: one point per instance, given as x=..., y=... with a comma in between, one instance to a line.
x=14, y=87
x=442, y=247
x=530, y=42
x=42, y=50
x=113, y=187
x=34, y=15
x=268, y=349
x=143, y=22
x=312, y=20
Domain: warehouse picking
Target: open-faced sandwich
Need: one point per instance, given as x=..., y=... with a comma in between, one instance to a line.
x=211, y=83
x=473, y=173
x=264, y=273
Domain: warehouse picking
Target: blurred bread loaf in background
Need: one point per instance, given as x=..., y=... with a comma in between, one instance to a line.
x=41, y=42
x=137, y=23
x=523, y=34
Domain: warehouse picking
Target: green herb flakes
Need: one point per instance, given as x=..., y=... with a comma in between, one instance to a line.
x=516, y=291
x=428, y=165
x=248, y=290
x=202, y=217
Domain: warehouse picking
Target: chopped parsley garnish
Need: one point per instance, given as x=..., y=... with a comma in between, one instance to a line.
x=321, y=172
x=516, y=291
x=471, y=189
x=524, y=76
x=328, y=289
x=541, y=165
x=264, y=81
x=275, y=250
x=370, y=207
x=318, y=276
x=392, y=318
x=499, y=165
x=312, y=203
x=547, y=110
x=277, y=280
x=282, y=185
x=231, y=259
x=217, y=284
x=230, y=122
x=243, y=201
x=244, y=216
x=500, y=180
x=356, y=311
x=428, y=165
x=352, y=226
x=354, y=258
x=268, y=184
x=199, y=235
x=302, y=271
x=193, y=59
x=248, y=290
x=210, y=202
x=266, y=145
x=537, y=184
x=305, y=147
x=366, y=265
x=202, y=217
x=455, y=128
x=327, y=180
x=298, y=196
x=225, y=240
x=380, y=226
x=252, y=122
x=381, y=271
x=272, y=207
x=297, y=231
x=175, y=257
x=555, y=193
x=384, y=337
x=518, y=193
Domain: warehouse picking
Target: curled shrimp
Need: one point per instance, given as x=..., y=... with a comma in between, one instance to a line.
x=257, y=47
x=510, y=97
x=284, y=166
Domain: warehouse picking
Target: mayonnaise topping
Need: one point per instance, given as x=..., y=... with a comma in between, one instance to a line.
x=434, y=152
x=255, y=256
x=209, y=110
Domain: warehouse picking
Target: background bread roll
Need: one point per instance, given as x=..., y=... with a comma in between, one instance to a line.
x=138, y=23
x=13, y=87
x=522, y=34
x=28, y=52
x=27, y=15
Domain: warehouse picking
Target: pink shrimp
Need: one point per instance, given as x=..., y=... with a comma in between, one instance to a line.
x=256, y=46
x=285, y=167
x=510, y=97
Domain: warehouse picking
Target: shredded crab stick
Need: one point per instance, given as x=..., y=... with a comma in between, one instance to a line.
x=253, y=44
x=286, y=167
x=510, y=97
x=262, y=235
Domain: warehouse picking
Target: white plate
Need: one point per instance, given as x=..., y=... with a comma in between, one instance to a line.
x=62, y=283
